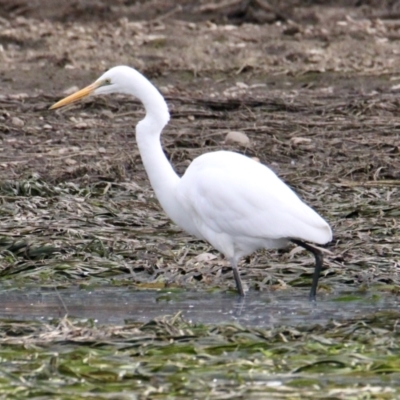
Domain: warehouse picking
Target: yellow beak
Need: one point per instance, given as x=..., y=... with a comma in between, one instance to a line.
x=80, y=94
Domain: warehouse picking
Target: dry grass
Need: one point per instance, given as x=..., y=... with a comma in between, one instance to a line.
x=85, y=209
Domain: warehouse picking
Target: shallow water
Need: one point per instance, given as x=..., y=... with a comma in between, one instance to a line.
x=116, y=305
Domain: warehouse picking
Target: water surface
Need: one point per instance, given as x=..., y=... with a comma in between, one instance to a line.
x=117, y=305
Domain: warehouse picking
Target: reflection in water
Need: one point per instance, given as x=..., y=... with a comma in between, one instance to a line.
x=115, y=305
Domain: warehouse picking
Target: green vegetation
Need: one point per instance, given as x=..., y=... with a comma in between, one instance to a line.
x=169, y=358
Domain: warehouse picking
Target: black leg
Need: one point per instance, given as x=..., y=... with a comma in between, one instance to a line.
x=237, y=278
x=239, y=306
x=318, y=266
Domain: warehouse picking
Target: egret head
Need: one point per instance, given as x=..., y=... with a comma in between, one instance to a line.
x=115, y=80
x=127, y=80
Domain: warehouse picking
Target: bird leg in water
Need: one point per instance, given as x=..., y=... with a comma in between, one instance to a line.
x=318, y=266
x=237, y=277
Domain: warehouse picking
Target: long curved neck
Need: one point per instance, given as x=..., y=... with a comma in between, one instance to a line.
x=161, y=174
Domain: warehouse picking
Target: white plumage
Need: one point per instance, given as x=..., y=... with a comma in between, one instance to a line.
x=235, y=203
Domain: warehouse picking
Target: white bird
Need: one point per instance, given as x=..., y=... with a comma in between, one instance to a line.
x=235, y=203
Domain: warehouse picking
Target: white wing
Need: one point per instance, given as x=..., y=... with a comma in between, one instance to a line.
x=232, y=194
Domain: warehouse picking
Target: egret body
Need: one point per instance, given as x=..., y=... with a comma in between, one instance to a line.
x=235, y=203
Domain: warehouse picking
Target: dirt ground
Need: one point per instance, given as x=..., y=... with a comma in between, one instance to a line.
x=315, y=88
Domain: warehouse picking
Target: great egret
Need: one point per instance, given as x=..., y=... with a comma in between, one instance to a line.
x=235, y=203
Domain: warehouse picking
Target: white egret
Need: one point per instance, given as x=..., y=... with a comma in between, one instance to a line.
x=235, y=203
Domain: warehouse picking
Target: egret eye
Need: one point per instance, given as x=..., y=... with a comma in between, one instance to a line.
x=107, y=81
